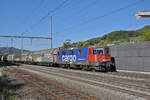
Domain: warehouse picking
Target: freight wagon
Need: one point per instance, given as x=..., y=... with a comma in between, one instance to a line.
x=89, y=58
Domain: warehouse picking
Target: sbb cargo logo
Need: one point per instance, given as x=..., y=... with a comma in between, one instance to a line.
x=69, y=58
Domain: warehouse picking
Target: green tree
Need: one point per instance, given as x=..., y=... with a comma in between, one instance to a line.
x=101, y=42
x=85, y=43
x=146, y=36
x=81, y=43
x=66, y=45
x=104, y=42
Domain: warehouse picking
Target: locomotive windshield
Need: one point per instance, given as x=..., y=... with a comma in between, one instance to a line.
x=107, y=51
x=98, y=51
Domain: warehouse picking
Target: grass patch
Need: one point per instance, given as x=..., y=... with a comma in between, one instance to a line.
x=6, y=93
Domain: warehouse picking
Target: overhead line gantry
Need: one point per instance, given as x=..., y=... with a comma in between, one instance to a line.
x=29, y=37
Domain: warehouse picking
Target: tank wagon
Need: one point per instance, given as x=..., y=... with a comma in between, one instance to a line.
x=89, y=58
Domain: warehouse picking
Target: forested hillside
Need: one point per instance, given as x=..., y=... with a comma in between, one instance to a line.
x=115, y=37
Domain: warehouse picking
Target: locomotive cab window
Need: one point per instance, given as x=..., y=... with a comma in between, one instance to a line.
x=107, y=51
x=98, y=51
x=89, y=51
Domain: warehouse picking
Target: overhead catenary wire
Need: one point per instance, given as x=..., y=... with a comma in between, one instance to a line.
x=45, y=16
x=41, y=19
x=59, y=6
x=34, y=10
x=78, y=12
x=105, y=15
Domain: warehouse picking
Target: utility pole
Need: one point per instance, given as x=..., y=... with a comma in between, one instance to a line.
x=11, y=42
x=51, y=39
x=31, y=44
x=12, y=45
x=22, y=43
x=31, y=48
x=7, y=48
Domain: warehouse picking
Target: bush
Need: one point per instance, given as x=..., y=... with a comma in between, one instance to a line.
x=146, y=36
x=5, y=92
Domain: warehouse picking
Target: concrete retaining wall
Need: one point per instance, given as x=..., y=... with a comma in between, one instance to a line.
x=132, y=57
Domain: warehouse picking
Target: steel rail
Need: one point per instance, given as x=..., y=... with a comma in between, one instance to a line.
x=58, y=85
x=122, y=83
x=112, y=81
x=103, y=85
x=45, y=91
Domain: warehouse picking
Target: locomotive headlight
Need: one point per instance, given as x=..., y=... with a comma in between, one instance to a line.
x=105, y=60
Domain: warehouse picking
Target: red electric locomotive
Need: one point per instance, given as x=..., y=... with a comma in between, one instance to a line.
x=91, y=58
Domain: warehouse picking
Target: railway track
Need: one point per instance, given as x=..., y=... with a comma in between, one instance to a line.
x=135, y=77
x=108, y=79
x=54, y=90
x=116, y=88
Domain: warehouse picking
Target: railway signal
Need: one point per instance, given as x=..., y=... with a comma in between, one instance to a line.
x=142, y=14
x=22, y=37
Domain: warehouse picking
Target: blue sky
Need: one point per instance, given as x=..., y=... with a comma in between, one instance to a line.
x=77, y=20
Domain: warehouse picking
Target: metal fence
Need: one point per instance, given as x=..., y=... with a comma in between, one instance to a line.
x=132, y=57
